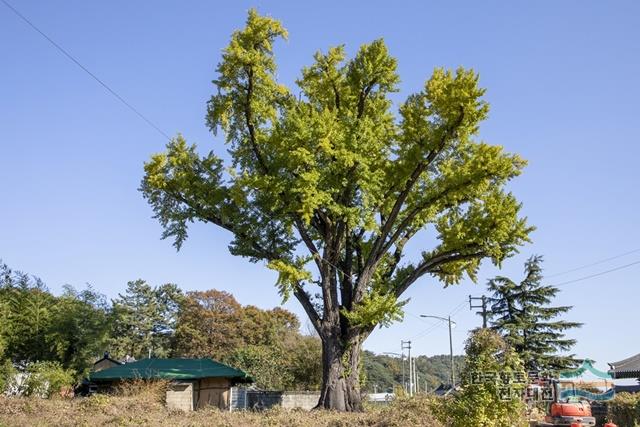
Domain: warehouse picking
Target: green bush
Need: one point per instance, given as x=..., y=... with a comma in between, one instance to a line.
x=7, y=372
x=267, y=365
x=46, y=379
x=624, y=410
x=479, y=403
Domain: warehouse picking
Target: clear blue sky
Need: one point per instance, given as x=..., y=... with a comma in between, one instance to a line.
x=562, y=81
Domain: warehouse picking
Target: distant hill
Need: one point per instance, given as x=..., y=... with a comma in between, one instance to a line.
x=384, y=372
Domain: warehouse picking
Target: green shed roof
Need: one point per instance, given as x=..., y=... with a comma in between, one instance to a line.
x=170, y=369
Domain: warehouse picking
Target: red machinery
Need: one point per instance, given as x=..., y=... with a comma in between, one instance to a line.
x=568, y=413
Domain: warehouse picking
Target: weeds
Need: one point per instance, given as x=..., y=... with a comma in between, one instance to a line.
x=125, y=408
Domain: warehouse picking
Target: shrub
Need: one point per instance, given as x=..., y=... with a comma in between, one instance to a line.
x=267, y=365
x=7, y=374
x=479, y=403
x=46, y=379
x=407, y=411
x=150, y=391
x=624, y=409
x=95, y=401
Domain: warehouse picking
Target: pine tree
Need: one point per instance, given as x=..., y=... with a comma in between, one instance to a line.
x=144, y=320
x=522, y=314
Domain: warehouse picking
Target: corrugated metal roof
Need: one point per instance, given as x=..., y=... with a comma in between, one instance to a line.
x=170, y=369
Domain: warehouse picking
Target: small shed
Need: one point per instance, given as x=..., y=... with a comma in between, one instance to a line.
x=194, y=383
x=626, y=368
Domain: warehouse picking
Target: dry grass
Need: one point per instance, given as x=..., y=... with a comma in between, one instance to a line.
x=146, y=409
x=148, y=391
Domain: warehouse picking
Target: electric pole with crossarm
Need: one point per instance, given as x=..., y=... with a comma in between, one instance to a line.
x=482, y=306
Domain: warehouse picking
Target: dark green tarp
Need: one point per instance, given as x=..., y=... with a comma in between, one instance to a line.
x=171, y=369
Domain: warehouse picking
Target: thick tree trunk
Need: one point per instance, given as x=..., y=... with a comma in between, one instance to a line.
x=340, y=374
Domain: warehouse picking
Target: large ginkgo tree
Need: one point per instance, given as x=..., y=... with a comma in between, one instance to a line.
x=329, y=181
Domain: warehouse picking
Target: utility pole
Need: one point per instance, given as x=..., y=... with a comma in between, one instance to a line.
x=448, y=320
x=415, y=375
x=407, y=345
x=453, y=368
x=412, y=376
x=404, y=382
x=483, y=306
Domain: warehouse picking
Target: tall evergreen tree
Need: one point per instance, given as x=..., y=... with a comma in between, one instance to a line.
x=144, y=320
x=522, y=314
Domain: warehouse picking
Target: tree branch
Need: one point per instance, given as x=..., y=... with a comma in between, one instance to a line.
x=364, y=93
x=378, y=245
x=205, y=214
x=397, y=254
x=346, y=284
x=303, y=297
x=406, y=221
x=300, y=294
x=249, y=121
x=308, y=242
x=431, y=264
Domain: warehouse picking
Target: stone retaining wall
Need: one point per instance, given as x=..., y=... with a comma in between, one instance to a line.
x=302, y=399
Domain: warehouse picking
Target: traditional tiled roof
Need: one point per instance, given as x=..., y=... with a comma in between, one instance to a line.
x=170, y=369
x=627, y=368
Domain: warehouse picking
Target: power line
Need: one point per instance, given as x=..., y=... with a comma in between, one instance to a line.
x=597, y=274
x=436, y=325
x=427, y=331
x=432, y=327
x=161, y=132
x=458, y=308
x=119, y=97
x=125, y=102
x=86, y=70
x=453, y=311
x=593, y=263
